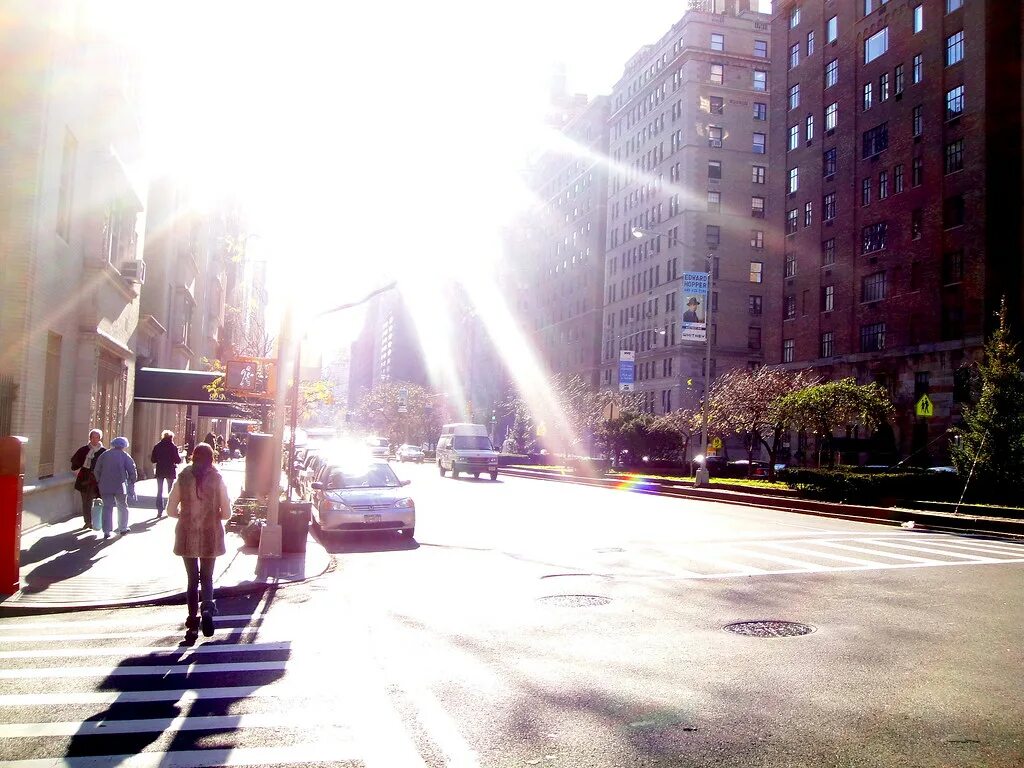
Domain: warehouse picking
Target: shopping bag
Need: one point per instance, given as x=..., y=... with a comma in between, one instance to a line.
x=97, y=514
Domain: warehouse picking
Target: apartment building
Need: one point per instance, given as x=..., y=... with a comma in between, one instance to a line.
x=688, y=192
x=898, y=155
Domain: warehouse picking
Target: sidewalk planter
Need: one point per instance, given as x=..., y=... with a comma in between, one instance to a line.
x=294, y=517
x=251, y=533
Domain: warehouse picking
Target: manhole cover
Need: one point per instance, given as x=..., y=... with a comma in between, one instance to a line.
x=769, y=628
x=575, y=601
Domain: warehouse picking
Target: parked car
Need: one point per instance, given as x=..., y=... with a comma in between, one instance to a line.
x=363, y=496
x=379, y=447
x=744, y=468
x=410, y=453
x=716, y=465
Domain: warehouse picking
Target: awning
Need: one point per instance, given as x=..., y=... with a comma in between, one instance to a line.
x=177, y=387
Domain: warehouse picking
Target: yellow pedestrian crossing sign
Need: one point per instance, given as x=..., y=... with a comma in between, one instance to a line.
x=924, y=407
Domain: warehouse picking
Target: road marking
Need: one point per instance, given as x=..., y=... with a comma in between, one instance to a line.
x=779, y=559
x=981, y=547
x=139, y=670
x=128, y=621
x=717, y=561
x=236, y=632
x=815, y=553
x=879, y=553
x=929, y=550
x=298, y=754
x=277, y=690
x=155, y=651
x=162, y=724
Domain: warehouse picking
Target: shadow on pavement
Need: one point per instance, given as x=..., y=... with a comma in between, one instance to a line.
x=357, y=542
x=78, y=556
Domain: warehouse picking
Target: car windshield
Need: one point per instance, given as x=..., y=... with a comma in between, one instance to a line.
x=373, y=476
x=472, y=442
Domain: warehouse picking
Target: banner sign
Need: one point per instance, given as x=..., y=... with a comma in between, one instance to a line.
x=627, y=370
x=694, y=300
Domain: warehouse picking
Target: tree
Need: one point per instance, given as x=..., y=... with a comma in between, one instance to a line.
x=821, y=408
x=421, y=422
x=990, y=442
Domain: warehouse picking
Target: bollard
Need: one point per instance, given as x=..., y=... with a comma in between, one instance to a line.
x=12, y=478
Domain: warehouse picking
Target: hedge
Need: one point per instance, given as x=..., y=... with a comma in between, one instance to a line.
x=854, y=486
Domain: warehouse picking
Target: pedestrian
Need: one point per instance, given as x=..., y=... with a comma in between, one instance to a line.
x=199, y=500
x=85, y=483
x=115, y=477
x=220, y=448
x=167, y=456
x=233, y=446
x=211, y=440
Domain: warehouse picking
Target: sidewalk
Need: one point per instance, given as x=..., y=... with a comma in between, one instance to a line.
x=64, y=567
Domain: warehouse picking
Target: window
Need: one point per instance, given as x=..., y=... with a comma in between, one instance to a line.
x=952, y=267
x=717, y=74
x=898, y=74
x=759, y=143
x=953, y=212
x=717, y=105
x=808, y=213
x=876, y=45
x=794, y=180
x=828, y=162
x=832, y=73
x=809, y=127
x=828, y=206
x=955, y=156
x=788, y=348
x=865, y=190
x=917, y=73
x=918, y=18
x=714, y=136
x=831, y=116
x=955, y=48
x=789, y=307
x=753, y=337
x=868, y=91
x=875, y=140
x=790, y=267
x=828, y=252
x=717, y=42
x=760, y=80
x=883, y=185
x=872, y=287
x=810, y=42
x=756, y=271
x=828, y=298
x=794, y=55
x=916, y=224
x=872, y=337
x=883, y=86
x=757, y=238
x=873, y=237
x=954, y=102
x=953, y=5
x=916, y=121
x=897, y=179
x=67, y=180
x=51, y=385
x=794, y=17
x=792, y=221
x=754, y=306
x=760, y=110
x=714, y=169
x=757, y=207
x=867, y=7
x=712, y=234
x=714, y=200
x=832, y=29
x=757, y=174
x=761, y=49
x=917, y=172
x=794, y=96
x=794, y=137
x=827, y=344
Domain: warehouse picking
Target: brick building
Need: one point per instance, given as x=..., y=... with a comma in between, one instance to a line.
x=898, y=162
x=688, y=147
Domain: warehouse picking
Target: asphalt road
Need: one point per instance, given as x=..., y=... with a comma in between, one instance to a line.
x=535, y=623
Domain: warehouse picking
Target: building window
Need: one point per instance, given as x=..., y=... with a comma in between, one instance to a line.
x=873, y=237
x=712, y=234
x=828, y=162
x=794, y=96
x=953, y=5
x=875, y=140
x=828, y=206
x=955, y=48
x=955, y=156
x=794, y=17
x=917, y=72
x=953, y=212
x=788, y=348
x=876, y=45
x=954, y=102
x=809, y=127
x=761, y=49
x=897, y=179
x=717, y=42
x=810, y=42
x=717, y=105
x=916, y=121
x=872, y=337
x=794, y=180
x=760, y=111
x=717, y=74
x=832, y=29
x=794, y=55
x=64, y=196
x=51, y=395
x=759, y=143
x=714, y=169
x=898, y=74
x=760, y=80
x=918, y=18
x=827, y=344
x=757, y=207
x=868, y=91
x=916, y=224
x=872, y=287
x=789, y=308
x=828, y=252
x=753, y=337
x=832, y=73
x=831, y=116
x=792, y=221
x=756, y=271
x=952, y=267
x=794, y=137
x=790, y=265
x=757, y=174
x=808, y=213
x=828, y=298
x=714, y=136
x=917, y=172
x=754, y=306
x=883, y=86
x=883, y=185
x=757, y=238
x=865, y=190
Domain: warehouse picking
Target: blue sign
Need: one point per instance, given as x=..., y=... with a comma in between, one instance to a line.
x=627, y=370
x=694, y=300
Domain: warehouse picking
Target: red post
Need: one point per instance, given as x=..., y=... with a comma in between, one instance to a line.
x=12, y=478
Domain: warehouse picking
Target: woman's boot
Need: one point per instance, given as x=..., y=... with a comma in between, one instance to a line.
x=191, y=630
x=208, y=610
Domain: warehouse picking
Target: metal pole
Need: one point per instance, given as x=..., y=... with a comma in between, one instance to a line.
x=701, y=478
x=270, y=536
x=296, y=382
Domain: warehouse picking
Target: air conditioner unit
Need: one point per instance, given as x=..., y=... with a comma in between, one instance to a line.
x=715, y=143
x=133, y=271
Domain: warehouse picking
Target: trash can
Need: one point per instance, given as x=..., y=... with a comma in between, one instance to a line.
x=259, y=470
x=294, y=518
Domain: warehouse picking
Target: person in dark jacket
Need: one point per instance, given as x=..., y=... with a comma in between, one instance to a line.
x=167, y=456
x=85, y=483
x=199, y=500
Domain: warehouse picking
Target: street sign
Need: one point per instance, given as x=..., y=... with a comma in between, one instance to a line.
x=694, y=302
x=627, y=370
x=403, y=400
x=716, y=444
x=253, y=377
x=924, y=407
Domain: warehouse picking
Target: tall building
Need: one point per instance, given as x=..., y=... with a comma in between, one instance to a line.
x=688, y=190
x=899, y=162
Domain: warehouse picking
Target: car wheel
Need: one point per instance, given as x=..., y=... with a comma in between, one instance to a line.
x=476, y=475
x=455, y=473
x=408, y=533
x=494, y=475
x=440, y=468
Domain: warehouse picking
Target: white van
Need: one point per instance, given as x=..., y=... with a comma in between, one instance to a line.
x=466, y=448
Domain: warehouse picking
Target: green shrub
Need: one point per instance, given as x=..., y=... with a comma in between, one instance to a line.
x=858, y=486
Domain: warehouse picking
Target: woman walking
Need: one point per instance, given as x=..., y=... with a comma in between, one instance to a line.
x=199, y=500
x=167, y=456
x=85, y=483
